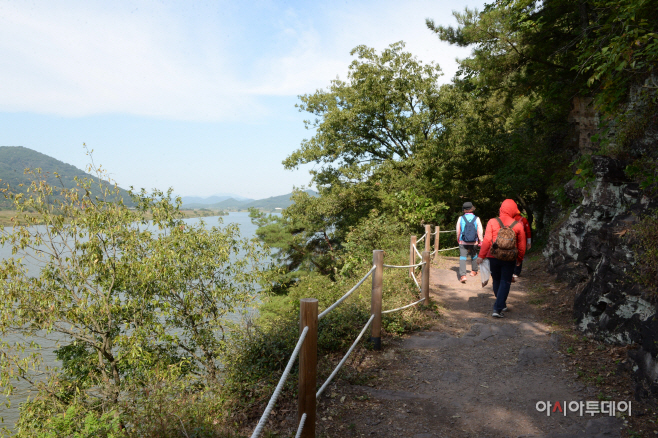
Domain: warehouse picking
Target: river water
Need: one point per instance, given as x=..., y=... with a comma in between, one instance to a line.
x=10, y=415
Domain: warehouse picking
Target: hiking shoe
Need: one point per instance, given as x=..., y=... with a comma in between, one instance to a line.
x=498, y=314
x=463, y=279
x=474, y=273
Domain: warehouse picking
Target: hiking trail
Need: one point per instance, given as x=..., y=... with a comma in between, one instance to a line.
x=471, y=375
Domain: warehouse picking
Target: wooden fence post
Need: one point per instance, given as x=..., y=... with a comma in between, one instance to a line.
x=428, y=237
x=376, y=298
x=308, y=361
x=437, y=231
x=425, y=278
x=412, y=255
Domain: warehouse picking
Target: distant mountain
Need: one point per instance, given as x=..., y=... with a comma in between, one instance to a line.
x=271, y=203
x=213, y=199
x=14, y=160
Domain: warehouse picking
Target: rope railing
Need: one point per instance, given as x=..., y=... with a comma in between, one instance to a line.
x=340, y=364
x=301, y=425
x=422, y=237
x=446, y=249
x=334, y=305
x=417, y=252
x=279, y=386
x=416, y=281
x=405, y=266
x=403, y=307
x=448, y=231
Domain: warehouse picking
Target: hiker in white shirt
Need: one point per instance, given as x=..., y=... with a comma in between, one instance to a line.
x=469, y=235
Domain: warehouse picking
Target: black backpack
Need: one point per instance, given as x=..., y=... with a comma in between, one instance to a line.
x=504, y=248
x=469, y=229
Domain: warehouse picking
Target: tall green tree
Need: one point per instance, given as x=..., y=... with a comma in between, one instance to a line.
x=368, y=132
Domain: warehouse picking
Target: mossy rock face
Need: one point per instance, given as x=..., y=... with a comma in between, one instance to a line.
x=595, y=250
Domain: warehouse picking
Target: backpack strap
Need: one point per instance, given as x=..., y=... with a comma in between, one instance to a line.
x=513, y=223
x=500, y=222
x=462, y=223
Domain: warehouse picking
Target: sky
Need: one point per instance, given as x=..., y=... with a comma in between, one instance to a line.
x=195, y=95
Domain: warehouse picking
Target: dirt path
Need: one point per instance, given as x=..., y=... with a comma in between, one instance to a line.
x=470, y=376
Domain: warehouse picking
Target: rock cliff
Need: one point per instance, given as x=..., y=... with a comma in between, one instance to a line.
x=594, y=248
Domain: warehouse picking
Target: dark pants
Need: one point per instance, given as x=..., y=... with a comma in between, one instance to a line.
x=501, y=274
x=517, y=269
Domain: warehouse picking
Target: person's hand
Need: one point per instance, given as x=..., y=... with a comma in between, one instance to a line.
x=528, y=246
x=518, y=263
x=479, y=260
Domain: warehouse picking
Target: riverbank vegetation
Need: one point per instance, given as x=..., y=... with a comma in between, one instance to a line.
x=134, y=300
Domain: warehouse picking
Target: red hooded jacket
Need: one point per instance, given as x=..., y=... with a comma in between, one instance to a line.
x=526, y=225
x=508, y=210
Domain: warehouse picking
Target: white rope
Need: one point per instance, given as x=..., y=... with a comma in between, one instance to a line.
x=418, y=252
x=279, y=386
x=419, y=240
x=406, y=266
x=333, y=306
x=448, y=231
x=340, y=364
x=447, y=249
x=416, y=281
x=301, y=425
x=403, y=307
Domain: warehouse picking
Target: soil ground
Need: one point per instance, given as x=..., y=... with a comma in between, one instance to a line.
x=472, y=375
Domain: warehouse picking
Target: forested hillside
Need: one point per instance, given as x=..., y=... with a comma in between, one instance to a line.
x=268, y=204
x=15, y=159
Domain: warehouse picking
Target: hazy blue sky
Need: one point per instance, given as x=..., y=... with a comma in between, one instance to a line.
x=195, y=95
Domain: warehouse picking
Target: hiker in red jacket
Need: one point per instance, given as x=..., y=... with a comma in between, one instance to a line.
x=503, y=254
x=528, y=238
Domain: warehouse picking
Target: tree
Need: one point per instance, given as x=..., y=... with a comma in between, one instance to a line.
x=369, y=130
x=383, y=112
x=127, y=294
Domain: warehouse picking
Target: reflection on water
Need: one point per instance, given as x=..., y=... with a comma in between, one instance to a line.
x=247, y=230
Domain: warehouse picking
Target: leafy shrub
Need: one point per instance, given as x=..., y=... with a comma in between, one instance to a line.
x=76, y=422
